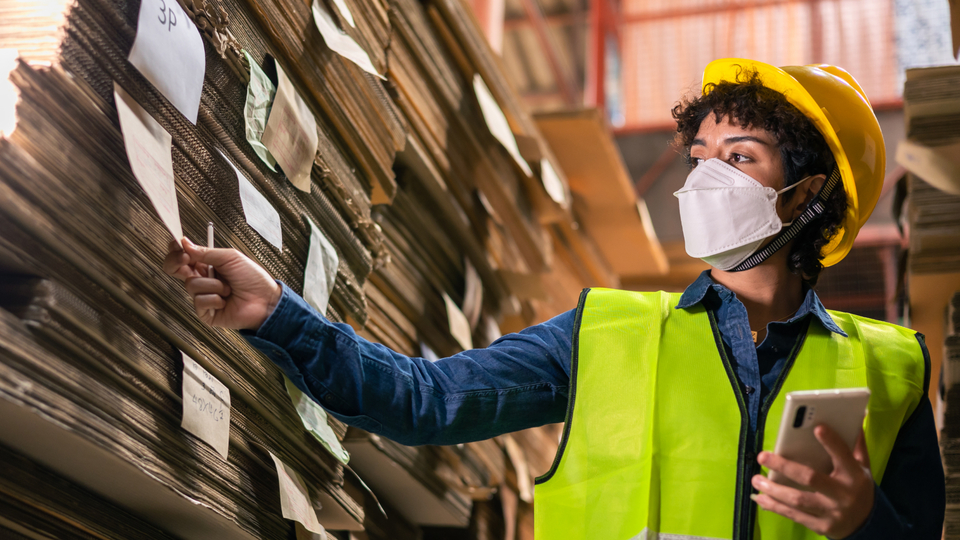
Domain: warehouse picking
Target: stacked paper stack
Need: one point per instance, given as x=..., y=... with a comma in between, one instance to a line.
x=932, y=155
x=370, y=155
x=950, y=422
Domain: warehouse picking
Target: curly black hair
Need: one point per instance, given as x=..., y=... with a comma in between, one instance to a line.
x=803, y=150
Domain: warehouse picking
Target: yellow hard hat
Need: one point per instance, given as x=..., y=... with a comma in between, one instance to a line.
x=832, y=99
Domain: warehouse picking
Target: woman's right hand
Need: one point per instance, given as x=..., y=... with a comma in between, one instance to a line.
x=240, y=296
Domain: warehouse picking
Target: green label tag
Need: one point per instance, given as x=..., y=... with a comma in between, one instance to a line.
x=315, y=420
x=260, y=93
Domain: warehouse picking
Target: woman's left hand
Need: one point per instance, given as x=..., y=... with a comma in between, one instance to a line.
x=839, y=503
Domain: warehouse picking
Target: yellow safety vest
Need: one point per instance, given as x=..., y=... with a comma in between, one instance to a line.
x=655, y=443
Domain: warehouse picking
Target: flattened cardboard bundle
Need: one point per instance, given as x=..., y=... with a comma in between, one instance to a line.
x=421, y=207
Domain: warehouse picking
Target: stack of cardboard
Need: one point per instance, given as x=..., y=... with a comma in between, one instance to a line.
x=99, y=346
x=372, y=156
x=950, y=420
x=931, y=154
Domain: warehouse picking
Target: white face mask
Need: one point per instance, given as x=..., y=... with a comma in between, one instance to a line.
x=726, y=215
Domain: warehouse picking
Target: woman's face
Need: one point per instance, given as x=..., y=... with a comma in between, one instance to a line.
x=753, y=151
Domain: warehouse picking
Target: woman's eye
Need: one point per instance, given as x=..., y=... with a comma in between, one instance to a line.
x=694, y=161
x=739, y=158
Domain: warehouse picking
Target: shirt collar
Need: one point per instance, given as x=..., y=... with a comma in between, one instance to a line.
x=695, y=293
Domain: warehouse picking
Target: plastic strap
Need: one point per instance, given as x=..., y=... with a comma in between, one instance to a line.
x=813, y=210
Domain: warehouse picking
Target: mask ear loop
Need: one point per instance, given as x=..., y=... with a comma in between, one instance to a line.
x=793, y=228
x=788, y=188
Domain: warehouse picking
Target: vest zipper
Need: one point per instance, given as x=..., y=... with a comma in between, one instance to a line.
x=742, y=524
x=754, y=467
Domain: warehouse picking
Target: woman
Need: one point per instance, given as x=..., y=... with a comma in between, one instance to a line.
x=667, y=398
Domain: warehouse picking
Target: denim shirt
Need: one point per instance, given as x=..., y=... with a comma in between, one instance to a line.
x=522, y=381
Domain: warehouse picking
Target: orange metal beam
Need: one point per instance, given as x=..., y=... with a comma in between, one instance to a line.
x=596, y=57
x=727, y=7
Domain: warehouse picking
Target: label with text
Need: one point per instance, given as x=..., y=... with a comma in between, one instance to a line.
x=168, y=51
x=206, y=406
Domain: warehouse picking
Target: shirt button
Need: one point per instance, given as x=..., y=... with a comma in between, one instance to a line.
x=749, y=390
x=328, y=397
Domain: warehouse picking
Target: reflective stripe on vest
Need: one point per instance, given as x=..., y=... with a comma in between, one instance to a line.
x=655, y=444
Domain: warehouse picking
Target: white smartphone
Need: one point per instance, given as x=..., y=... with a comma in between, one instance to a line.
x=841, y=409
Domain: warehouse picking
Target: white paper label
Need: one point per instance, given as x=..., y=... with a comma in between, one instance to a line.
x=497, y=122
x=338, y=40
x=168, y=51
x=259, y=213
x=295, y=499
x=314, y=418
x=427, y=353
x=321, y=271
x=206, y=406
x=459, y=325
x=291, y=133
x=552, y=183
x=345, y=12
x=148, y=151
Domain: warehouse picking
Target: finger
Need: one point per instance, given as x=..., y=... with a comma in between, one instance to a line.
x=215, y=257
x=860, y=452
x=206, y=302
x=798, y=472
x=177, y=264
x=203, y=285
x=807, y=502
x=773, y=505
x=840, y=453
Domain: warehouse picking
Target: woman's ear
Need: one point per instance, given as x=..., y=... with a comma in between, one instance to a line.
x=805, y=193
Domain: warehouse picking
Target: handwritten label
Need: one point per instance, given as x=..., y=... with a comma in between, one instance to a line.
x=168, y=51
x=321, y=271
x=259, y=213
x=295, y=499
x=291, y=133
x=497, y=122
x=206, y=406
x=256, y=109
x=338, y=40
x=148, y=151
x=314, y=418
x=459, y=325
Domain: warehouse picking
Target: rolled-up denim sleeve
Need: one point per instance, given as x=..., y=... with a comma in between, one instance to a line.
x=519, y=381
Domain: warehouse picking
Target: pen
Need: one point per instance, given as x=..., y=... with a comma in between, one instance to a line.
x=210, y=272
